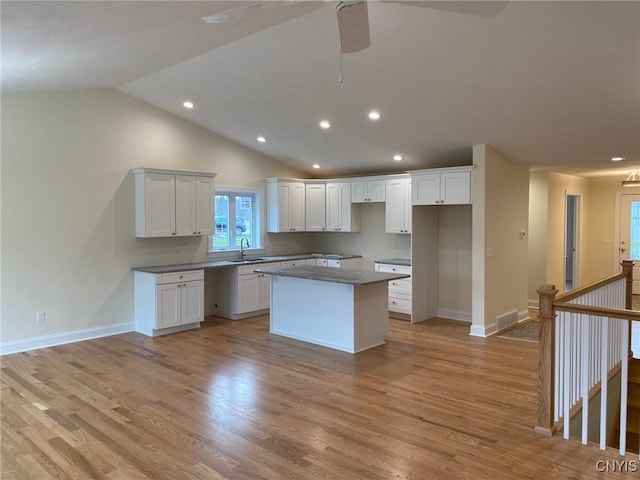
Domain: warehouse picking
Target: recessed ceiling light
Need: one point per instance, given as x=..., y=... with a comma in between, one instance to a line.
x=188, y=105
x=315, y=165
x=617, y=159
x=374, y=115
x=397, y=158
x=325, y=124
x=261, y=139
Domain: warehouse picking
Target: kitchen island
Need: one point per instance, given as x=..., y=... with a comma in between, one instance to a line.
x=337, y=308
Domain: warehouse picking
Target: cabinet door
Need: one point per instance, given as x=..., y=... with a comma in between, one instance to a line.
x=396, y=206
x=204, y=197
x=192, y=302
x=456, y=188
x=377, y=191
x=249, y=291
x=168, y=312
x=284, y=209
x=333, y=263
x=322, y=262
x=315, y=217
x=185, y=205
x=345, y=208
x=407, y=205
x=359, y=192
x=265, y=291
x=333, y=207
x=160, y=205
x=297, y=207
x=426, y=189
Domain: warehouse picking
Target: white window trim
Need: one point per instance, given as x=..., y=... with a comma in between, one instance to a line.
x=260, y=211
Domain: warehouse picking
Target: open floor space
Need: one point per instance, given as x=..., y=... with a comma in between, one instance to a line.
x=232, y=401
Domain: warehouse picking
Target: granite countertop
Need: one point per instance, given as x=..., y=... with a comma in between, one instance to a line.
x=404, y=262
x=235, y=263
x=335, y=275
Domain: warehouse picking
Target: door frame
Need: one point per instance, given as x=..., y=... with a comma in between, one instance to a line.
x=616, y=218
x=577, y=224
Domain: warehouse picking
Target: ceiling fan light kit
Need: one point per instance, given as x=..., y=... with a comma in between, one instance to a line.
x=633, y=180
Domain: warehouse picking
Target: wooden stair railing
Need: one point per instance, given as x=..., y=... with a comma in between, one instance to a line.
x=573, y=302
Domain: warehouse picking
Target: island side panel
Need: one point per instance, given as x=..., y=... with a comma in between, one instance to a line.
x=371, y=315
x=313, y=311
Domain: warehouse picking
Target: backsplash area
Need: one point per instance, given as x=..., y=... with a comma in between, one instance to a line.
x=371, y=242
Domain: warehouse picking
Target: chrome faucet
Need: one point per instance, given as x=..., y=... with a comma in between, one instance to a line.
x=242, y=252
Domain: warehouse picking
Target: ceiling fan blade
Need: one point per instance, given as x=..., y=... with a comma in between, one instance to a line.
x=247, y=9
x=477, y=7
x=353, y=26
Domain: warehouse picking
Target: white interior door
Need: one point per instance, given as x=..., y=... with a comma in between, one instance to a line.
x=629, y=238
x=629, y=249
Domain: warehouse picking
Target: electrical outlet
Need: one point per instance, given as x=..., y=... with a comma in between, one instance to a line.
x=490, y=252
x=40, y=317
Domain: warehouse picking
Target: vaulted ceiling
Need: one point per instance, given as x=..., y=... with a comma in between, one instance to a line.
x=549, y=84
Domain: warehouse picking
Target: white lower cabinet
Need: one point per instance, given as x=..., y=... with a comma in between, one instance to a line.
x=399, y=290
x=240, y=292
x=168, y=302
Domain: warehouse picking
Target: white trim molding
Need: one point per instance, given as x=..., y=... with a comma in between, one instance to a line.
x=55, y=339
x=483, y=331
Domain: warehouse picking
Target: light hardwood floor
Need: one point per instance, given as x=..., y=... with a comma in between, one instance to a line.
x=232, y=401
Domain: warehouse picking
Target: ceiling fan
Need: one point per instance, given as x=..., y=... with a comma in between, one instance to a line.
x=353, y=16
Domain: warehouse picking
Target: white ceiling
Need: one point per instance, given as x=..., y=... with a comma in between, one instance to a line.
x=550, y=84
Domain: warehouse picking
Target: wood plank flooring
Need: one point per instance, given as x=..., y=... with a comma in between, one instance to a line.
x=232, y=401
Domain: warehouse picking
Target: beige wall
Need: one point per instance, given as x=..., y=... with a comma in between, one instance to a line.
x=599, y=237
x=454, y=261
x=560, y=186
x=538, y=236
x=371, y=242
x=500, y=256
x=68, y=203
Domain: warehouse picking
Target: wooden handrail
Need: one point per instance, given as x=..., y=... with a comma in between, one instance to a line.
x=598, y=311
x=578, y=292
x=548, y=303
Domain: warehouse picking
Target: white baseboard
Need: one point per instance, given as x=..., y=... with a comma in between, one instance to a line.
x=482, y=331
x=523, y=315
x=454, y=315
x=531, y=303
x=52, y=340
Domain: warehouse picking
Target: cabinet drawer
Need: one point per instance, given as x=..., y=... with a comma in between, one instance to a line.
x=292, y=263
x=400, y=303
x=249, y=269
x=175, y=277
x=384, y=267
x=402, y=285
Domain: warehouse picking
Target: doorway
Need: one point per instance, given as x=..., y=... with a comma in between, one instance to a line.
x=628, y=248
x=572, y=229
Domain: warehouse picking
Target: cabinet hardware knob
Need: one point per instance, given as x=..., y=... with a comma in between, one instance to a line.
x=181, y=276
x=194, y=233
x=173, y=233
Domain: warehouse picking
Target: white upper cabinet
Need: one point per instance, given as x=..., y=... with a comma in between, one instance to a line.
x=315, y=207
x=445, y=186
x=285, y=205
x=367, y=191
x=341, y=215
x=173, y=203
x=398, y=205
x=194, y=205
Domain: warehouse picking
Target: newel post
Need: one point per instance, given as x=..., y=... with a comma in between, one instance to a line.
x=546, y=361
x=627, y=269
